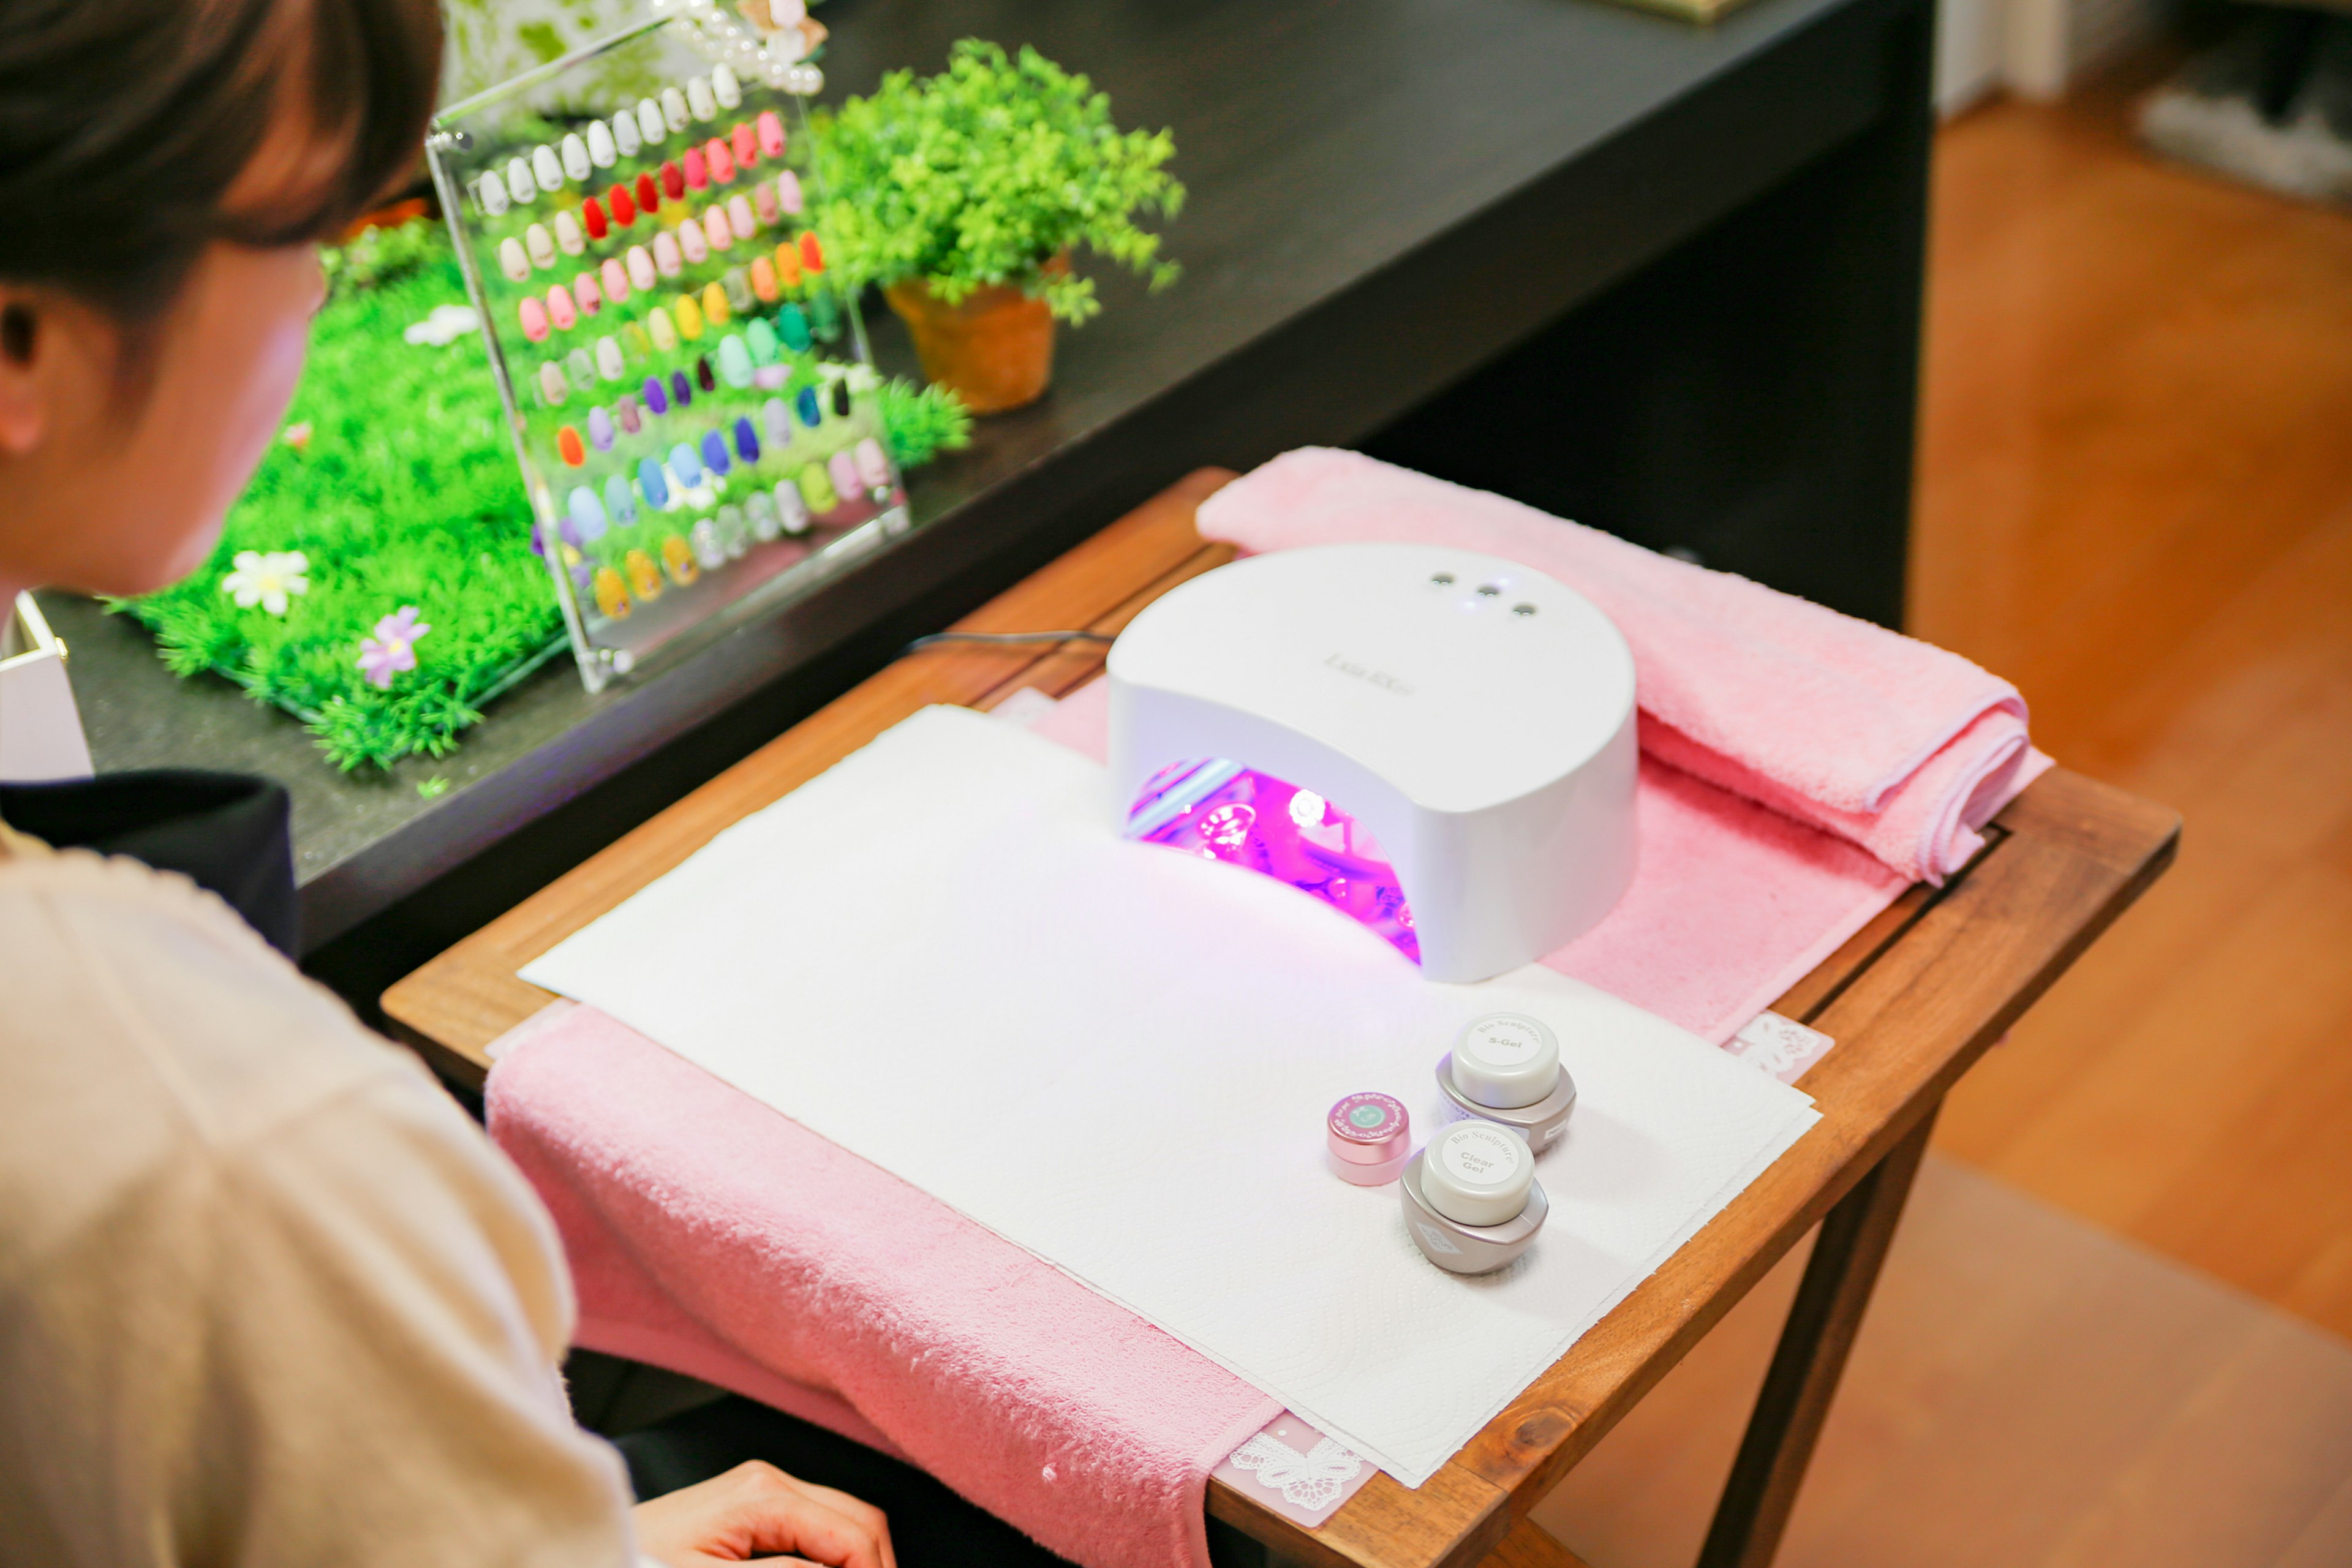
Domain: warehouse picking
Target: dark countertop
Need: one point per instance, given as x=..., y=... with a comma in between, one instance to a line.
x=1384, y=194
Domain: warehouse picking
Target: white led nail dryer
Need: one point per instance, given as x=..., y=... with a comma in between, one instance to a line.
x=1472, y=714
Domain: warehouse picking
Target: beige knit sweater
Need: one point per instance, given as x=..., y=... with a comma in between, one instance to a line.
x=268, y=1297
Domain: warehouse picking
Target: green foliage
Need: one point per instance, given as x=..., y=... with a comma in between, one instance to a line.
x=381, y=256
x=541, y=38
x=494, y=41
x=921, y=422
x=404, y=492
x=984, y=174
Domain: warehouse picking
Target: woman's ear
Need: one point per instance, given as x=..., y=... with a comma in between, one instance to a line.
x=24, y=413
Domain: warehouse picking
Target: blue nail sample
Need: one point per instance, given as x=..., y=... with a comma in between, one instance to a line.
x=650, y=479
x=681, y=392
x=747, y=442
x=714, y=453
x=685, y=464
x=806, y=408
x=587, y=513
x=620, y=501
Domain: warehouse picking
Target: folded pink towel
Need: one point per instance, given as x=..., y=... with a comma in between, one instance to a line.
x=710, y=1234
x=1904, y=748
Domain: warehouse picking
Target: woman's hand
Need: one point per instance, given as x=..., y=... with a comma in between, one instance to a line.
x=757, y=1511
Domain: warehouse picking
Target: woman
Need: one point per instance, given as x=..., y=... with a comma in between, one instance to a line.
x=266, y=1296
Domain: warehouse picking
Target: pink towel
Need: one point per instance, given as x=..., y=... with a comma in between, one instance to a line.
x=710, y=1234
x=1901, y=747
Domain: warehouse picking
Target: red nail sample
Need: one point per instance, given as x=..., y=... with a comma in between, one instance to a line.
x=673, y=179
x=624, y=211
x=697, y=175
x=592, y=216
x=648, y=193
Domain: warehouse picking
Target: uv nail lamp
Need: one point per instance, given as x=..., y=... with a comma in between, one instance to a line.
x=1440, y=743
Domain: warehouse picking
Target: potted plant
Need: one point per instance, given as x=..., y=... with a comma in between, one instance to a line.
x=963, y=195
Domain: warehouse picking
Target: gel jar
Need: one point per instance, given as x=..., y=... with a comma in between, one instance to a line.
x=1471, y=1199
x=1505, y=1067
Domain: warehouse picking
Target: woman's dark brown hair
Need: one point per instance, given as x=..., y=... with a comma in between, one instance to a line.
x=130, y=132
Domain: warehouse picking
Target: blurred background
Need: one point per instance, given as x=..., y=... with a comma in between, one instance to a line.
x=2114, y=1327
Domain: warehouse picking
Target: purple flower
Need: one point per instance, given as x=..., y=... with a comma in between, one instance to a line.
x=393, y=646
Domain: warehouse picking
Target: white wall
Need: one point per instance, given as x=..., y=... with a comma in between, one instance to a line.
x=1969, y=52
x=2035, y=48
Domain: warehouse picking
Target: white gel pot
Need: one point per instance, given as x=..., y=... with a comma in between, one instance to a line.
x=1471, y=1199
x=1505, y=1067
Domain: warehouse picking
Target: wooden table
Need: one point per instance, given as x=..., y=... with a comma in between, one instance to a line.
x=1912, y=1000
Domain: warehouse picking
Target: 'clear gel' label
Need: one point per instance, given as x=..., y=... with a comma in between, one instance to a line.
x=1480, y=1156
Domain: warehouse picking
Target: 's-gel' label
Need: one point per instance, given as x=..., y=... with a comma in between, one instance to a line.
x=1505, y=1042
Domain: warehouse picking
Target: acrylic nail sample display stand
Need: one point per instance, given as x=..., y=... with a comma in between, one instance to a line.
x=691, y=396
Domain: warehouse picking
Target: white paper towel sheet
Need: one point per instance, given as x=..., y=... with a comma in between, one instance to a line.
x=939, y=956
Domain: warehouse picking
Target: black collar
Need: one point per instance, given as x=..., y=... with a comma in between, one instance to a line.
x=224, y=832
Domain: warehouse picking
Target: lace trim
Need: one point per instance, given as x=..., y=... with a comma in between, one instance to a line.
x=1309, y=1481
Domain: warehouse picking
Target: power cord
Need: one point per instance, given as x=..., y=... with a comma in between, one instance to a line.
x=1000, y=639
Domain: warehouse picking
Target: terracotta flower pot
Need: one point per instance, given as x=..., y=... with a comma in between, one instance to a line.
x=994, y=349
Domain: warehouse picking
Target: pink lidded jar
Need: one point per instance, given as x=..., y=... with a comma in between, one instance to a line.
x=1369, y=1137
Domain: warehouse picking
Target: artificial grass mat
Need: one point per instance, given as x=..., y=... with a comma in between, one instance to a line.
x=404, y=492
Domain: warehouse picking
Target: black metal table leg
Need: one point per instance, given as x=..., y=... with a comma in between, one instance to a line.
x=1844, y=1269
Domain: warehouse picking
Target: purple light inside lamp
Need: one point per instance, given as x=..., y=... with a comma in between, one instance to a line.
x=1222, y=811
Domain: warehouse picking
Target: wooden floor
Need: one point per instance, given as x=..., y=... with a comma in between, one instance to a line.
x=2027, y=1391
x=2136, y=500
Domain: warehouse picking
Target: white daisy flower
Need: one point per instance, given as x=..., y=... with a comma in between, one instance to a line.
x=445, y=326
x=268, y=580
